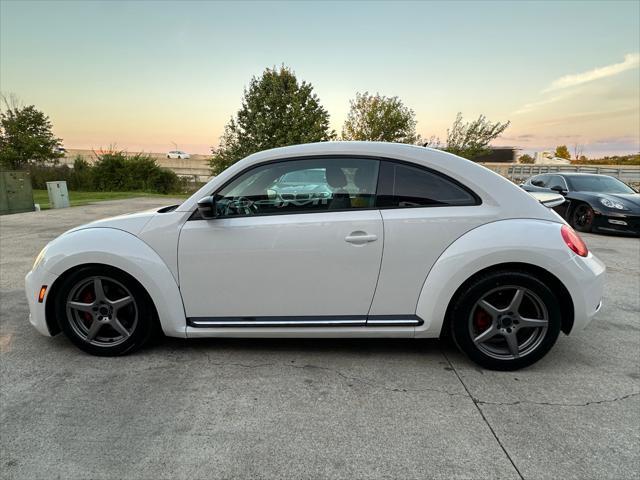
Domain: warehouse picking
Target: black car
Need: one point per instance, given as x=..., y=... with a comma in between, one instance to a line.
x=593, y=202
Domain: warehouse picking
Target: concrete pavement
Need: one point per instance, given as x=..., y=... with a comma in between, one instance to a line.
x=313, y=408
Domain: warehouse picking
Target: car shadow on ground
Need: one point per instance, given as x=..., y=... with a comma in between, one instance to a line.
x=304, y=345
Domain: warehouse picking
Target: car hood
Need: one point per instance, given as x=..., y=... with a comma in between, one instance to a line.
x=129, y=222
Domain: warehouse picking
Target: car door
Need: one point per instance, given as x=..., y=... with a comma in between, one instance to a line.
x=423, y=212
x=275, y=255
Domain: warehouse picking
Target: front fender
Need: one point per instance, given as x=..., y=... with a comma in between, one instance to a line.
x=535, y=242
x=110, y=246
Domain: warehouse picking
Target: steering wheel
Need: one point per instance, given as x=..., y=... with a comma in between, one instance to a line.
x=245, y=206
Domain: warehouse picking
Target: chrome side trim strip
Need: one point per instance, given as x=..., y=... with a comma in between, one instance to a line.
x=310, y=321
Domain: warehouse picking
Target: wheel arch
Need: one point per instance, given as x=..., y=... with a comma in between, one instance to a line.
x=50, y=316
x=554, y=283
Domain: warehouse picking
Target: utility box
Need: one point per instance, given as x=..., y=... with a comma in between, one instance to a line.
x=58, y=194
x=16, y=195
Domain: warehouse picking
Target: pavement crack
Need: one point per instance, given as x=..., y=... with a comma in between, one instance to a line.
x=349, y=378
x=477, y=405
x=552, y=404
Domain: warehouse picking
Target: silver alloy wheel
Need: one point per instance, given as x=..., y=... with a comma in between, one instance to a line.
x=508, y=322
x=102, y=311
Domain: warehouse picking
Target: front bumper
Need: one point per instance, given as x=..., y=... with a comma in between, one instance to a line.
x=34, y=281
x=628, y=224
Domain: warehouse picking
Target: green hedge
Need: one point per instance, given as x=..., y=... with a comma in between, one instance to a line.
x=112, y=171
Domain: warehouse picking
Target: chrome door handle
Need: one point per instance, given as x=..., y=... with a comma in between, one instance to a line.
x=360, y=238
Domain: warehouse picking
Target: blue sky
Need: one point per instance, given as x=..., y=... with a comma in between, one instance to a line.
x=144, y=74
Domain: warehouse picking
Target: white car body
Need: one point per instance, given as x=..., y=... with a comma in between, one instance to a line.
x=261, y=276
x=178, y=154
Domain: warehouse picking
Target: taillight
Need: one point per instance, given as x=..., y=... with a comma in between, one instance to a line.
x=573, y=241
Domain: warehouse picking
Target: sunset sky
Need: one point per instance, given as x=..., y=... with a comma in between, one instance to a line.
x=142, y=75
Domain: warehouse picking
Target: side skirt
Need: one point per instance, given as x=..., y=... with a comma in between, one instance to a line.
x=307, y=321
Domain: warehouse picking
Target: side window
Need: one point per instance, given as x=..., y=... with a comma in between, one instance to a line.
x=540, y=181
x=557, y=181
x=301, y=186
x=407, y=186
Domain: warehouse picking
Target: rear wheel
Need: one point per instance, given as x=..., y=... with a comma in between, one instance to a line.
x=582, y=218
x=506, y=320
x=104, y=311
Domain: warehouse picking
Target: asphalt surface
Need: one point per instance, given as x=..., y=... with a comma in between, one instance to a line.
x=240, y=408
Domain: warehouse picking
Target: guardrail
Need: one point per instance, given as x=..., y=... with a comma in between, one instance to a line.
x=519, y=172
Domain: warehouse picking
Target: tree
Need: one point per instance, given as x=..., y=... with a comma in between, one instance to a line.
x=276, y=111
x=378, y=118
x=25, y=136
x=562, y=152
x=526, y=158
x=472, y=139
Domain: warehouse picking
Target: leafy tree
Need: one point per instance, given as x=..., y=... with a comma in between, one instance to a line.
x=25, y=136
x=377, y=118
x=562, y=152
x=472, y=139
x=526, y=158
x=276, y=111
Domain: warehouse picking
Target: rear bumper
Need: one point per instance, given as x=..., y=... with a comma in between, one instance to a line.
x=585, y=282
x=34, y=281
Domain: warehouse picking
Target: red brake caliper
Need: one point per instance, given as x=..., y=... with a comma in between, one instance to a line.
x=87, y=297
x=481, y=320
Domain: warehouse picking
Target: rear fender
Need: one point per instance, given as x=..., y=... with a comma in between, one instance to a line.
x=535, y=242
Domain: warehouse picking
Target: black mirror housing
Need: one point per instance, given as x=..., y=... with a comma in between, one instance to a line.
x=207, y=207
x=559, y=189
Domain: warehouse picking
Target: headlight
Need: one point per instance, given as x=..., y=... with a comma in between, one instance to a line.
x=39, y=258
x=611, y=204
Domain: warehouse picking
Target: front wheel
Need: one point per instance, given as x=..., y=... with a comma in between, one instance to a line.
x=104, y=311
x=506, y=320
x=582, y=218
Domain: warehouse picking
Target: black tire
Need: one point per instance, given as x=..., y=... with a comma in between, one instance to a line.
x=582, y=218
x=136, y=317
x=465, y=314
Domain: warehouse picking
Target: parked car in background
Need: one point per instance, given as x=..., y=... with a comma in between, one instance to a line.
x=593, y=202
x=178, y=154
x=404, y=242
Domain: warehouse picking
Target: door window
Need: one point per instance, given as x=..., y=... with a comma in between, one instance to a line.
x=407, y=186
x=301, y=186
x=540, y=181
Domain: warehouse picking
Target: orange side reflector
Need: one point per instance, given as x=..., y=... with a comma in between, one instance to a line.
x=43, y=290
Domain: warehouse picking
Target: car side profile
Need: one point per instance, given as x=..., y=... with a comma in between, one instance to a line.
x=178, y=154
x=593, y=202
x=334, y=239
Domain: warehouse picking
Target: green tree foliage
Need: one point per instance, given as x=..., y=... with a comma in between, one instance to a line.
x=112, y=171
x=472, y=139
x=276, y=111
x=377, y=118
x=526, y=158
x=25, y=137
x=562, y=152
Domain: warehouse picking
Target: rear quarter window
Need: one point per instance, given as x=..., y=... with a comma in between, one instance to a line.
x=403, y=186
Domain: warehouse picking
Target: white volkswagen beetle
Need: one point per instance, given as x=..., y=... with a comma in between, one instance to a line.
x=402, y=241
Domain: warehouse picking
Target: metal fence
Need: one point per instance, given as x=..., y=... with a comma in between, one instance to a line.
x=520, y=172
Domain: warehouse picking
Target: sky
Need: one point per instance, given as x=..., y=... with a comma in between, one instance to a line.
x=143, y=75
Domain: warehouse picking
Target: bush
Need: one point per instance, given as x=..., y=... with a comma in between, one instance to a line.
x=113, y=171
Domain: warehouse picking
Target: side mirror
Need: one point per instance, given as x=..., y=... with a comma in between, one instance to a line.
x=207, y=207
x=537, y=183
x=559, y=189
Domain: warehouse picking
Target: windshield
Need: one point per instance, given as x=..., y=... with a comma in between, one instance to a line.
x=598, y=183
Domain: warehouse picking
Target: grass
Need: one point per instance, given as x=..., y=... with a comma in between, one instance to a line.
x=83, y=198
